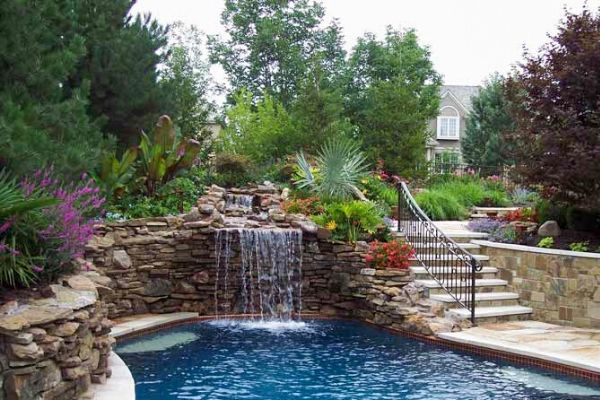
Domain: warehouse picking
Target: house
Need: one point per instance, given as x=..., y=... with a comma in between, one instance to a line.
x=448, y=128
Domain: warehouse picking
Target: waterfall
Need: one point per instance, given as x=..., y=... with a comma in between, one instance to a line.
x=270, y=271
x=239, y=201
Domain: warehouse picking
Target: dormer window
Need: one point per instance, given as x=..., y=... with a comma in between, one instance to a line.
x=448, y=124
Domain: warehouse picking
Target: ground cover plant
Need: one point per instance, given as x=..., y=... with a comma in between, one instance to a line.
x=394, y=254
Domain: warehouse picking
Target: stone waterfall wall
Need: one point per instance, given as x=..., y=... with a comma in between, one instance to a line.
x=53, y=347
x=162, y=265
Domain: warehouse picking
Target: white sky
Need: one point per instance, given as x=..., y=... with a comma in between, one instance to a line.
x=468, y=39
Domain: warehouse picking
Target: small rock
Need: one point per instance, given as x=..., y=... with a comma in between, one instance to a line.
x=66, y=329
x=122, y=259
x=201, y=277
x=193, y=215
x=80, y=282
x=29, y=352
x=549, y=228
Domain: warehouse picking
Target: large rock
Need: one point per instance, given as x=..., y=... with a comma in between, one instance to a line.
x=122, y=259
x=28, y=383
x=549, y=228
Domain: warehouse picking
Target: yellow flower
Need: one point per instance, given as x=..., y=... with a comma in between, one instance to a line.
x=330, y=226
x=364, y=191
x=364, y=181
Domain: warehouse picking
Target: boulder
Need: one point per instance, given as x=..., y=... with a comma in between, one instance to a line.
x=122, y=259
x=155, y=288
x=549, y=228
x=28, y=383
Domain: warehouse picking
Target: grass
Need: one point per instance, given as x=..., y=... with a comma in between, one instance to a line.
x=452, y=199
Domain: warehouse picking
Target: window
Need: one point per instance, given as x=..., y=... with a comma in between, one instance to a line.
x=448, y=127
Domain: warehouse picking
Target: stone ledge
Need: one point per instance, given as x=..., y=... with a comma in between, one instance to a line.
x=531, y=249
x=120, y=386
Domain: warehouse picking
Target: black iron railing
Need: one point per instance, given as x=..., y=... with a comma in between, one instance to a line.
x=451, y=266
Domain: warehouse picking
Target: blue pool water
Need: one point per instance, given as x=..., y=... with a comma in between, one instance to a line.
x=324, y=360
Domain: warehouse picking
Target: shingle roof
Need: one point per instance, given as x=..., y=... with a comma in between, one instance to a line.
x=462, y=93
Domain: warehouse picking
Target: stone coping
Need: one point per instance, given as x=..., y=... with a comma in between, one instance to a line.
x=575, y=347
x=120, y=386
x=469, y=341
x=142, y=322
x=532, y=249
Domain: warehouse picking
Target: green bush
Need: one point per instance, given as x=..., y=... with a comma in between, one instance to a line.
x=177, y=195
x=377, y=190
x=351, y=221
x=548, y=211
x=440, y=205
x=233, y=170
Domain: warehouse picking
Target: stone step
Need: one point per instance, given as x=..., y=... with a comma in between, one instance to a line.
x=483, y=210
x=465, y=246
x=422, y=271
x=491, y=312
x=450, y=257
x=466, y=236
x=488, y=296
x=433, y=284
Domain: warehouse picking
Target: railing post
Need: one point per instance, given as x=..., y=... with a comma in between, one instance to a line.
x=399, y=205
x=473, y=271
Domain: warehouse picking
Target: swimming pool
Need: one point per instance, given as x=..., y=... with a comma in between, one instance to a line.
x=227, y=359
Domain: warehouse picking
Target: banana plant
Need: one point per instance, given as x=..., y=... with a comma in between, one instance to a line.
x=165, y=155
x=114, y=174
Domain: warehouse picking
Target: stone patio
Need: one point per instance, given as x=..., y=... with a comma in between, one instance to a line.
x=576, y=347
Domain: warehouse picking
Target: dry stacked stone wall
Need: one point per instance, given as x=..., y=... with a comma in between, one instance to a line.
x=54, y=345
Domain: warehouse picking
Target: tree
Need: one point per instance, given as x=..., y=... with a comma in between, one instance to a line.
x=555, y=98
x=42, y=120
x=121, y=60
x=184, y=81
x=483, y=143
x=270, y=43
x=392, y=91
x=259, y=131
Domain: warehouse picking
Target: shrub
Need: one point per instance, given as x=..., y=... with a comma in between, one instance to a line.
x=521, y=214
x=37, y=244
x=521, y=196
x=579, y=246
x=548, y=211
x=233, y=170
x=392, y=255
x=307, y=206
x=375, y=189
x=506, y=234
x=546, y=243
x=439, y=205
x=485, y=225
x=350, y=221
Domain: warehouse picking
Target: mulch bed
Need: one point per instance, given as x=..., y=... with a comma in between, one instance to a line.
x=567, y=237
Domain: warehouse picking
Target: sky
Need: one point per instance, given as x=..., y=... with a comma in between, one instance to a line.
x=469, y=39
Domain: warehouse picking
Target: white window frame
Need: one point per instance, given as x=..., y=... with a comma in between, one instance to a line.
x=456, y=135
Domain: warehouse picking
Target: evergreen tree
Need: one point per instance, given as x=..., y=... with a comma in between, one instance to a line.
x=483, y=143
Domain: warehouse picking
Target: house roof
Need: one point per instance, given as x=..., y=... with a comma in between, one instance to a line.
x=462, y=94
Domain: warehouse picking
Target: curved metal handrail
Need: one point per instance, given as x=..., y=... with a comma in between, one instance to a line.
x=451, y=266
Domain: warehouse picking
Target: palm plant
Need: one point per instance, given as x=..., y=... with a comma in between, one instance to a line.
x=20, y=221
x=339, y=166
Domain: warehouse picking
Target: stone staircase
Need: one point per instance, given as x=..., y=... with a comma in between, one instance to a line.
x=494, y=302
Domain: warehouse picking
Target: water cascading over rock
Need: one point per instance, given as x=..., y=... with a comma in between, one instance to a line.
x=239, y=201
x=262, y=268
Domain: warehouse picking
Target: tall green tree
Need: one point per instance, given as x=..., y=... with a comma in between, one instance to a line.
x=184, y=81
x=270, y=43
x=487, y=123
x=392, y=91
x=259, y=129
x=42, y=119
x=121, y=59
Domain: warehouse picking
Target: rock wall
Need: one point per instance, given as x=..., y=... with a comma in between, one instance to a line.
x=161, y=265
x=562, y=287
x=53, y=347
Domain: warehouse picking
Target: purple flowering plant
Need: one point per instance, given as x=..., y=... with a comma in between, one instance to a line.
x=46, y=226
x=485, y=225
